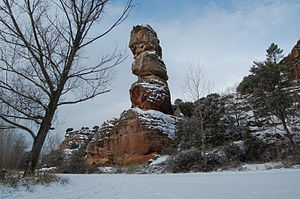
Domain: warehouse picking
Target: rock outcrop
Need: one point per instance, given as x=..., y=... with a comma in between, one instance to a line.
x=132, y=139
x=151, y=91
x=76, y=140
x=292, y=62
x=151, y=94
x=143, y=38
x=144, y=130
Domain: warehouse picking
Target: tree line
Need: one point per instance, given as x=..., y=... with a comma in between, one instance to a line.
x=263, y=100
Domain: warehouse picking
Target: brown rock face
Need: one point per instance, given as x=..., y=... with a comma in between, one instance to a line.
x=151, y=94
x=151, y=91
x=292, y=62
x=132, y=139
x=143, y=38
x=148, y=63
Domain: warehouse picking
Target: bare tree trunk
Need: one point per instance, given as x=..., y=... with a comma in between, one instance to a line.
x=35, y=153
x=39, y=140
x=202, y=132
x=288, y=133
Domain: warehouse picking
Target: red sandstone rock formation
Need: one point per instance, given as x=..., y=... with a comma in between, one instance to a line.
x=138, y=134
x=151, y=91
x=292, y=62
x=144, y=38
x=133, y=139
x=151, y=94
x=143, y=131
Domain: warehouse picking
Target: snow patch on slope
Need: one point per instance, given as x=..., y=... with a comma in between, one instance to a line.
x=160, y=160
x=262, y=167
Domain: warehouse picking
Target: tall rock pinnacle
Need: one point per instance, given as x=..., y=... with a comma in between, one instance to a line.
x=140, y=133
x=151, y=91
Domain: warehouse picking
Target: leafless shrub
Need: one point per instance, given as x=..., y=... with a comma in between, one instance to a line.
x=12, y=148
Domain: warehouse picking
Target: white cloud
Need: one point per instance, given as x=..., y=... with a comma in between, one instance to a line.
x=226, y=43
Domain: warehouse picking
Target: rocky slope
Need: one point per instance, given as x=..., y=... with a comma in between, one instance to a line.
x=76, y=140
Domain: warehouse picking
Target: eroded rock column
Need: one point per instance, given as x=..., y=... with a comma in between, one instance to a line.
x=151, y=91
x=141, y=132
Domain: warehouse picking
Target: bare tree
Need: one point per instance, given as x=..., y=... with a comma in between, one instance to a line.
x=237, y=106
x=41, y=68
x=52, y=143
x=12, y=148
x=196, y=85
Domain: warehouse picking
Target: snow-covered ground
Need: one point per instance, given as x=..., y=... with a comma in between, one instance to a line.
x=279, y=183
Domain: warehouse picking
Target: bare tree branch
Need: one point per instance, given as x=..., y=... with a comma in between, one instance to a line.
x=196, y=85
x=123, y=16
x=18, y=126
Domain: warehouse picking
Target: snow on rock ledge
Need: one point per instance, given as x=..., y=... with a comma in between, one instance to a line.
x=159, y=121
x=75, y=140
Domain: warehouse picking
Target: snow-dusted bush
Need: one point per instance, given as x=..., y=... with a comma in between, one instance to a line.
x=194, y=161
x=184, y=161
x=53, y=159
x=250, y=149
x=234, y=151
x=254, y=148
x=76, y=164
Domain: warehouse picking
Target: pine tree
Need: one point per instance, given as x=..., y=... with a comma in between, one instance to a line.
x=206, y=127
x=267, y=87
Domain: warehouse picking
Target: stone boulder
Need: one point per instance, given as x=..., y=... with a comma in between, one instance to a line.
x=148, y=63
x=151, y=94
x=132, y=139
x=143, y=38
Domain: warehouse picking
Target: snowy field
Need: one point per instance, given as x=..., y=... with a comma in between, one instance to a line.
x=269, y=184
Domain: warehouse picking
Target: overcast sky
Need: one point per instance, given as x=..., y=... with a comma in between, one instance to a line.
x=223, y=36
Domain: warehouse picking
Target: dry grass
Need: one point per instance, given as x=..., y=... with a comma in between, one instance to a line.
x=14, y=179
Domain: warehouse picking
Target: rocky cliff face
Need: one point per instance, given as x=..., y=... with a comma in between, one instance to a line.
x=292, y=62
x=144, y=130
